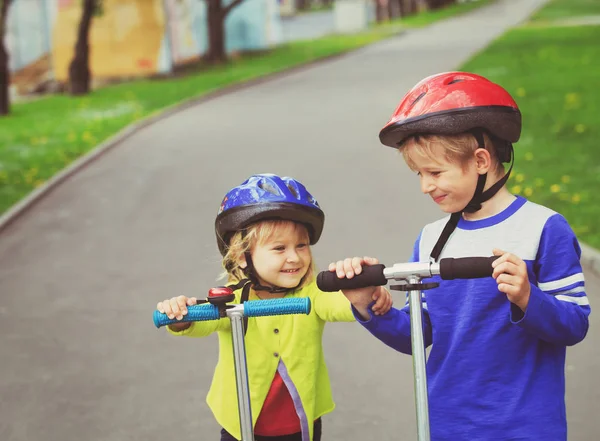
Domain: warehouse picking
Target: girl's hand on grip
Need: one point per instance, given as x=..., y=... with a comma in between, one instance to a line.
x=176, y=307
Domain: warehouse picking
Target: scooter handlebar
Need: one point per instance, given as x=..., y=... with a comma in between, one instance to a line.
x=253, y=308
x=448, y=269
x=328, y=281
x=466, y=267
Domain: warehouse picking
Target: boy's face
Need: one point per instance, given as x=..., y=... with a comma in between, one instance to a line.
x=284, y=258
x=451, y=185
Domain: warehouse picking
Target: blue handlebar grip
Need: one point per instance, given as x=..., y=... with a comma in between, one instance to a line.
x=258, y=308
x=196, y=313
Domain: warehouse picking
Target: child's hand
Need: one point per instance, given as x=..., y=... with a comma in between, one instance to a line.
x=348, y=268
x=176, y=307
x=383, y=301
x=511, y=276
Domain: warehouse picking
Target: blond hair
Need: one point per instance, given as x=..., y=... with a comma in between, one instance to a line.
x=243, y=242
x=458, y=149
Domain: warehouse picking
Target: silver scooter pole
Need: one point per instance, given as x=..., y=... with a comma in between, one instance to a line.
x=412, y=274
x=218, y=308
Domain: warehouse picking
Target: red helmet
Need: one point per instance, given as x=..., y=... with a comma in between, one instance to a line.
x=451, y=103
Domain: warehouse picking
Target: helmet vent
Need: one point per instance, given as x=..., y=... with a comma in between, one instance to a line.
x=457, y=80
x=293, y=191
x=418, y=98
x=268, y=187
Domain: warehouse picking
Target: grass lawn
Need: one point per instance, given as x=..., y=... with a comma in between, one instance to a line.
x=560, y=9
x=41, y=137
x=554, y=72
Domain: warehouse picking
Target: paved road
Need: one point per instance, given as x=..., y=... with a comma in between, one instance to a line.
x=81, y=272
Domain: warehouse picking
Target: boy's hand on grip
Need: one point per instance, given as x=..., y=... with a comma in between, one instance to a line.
x=511, y=276
x=362, y=297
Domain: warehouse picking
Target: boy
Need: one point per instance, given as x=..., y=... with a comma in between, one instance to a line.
x=496, y=367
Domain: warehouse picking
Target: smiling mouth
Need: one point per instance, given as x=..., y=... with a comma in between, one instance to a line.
x=291, y=271
x=439, y=199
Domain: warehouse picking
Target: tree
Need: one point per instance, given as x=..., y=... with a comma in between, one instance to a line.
x=79, y=69
x=217, y=13
x=302, y=5
x=437, y=4
x=394, y=8
x=4, y=68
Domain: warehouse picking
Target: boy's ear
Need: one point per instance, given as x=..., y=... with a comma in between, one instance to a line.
x=483, y=161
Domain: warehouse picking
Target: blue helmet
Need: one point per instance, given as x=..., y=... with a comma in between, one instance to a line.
x=267, y=196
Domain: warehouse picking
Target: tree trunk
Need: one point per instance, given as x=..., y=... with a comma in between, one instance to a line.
x=4, y=71
x=216, y=29
x=79, y=69
x=394, y=8
x=401, y=8
x=216, y=32
x=302, y=5
x=437, y=4
x=381, y=10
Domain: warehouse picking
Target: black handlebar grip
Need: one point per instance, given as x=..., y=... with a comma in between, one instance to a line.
x=466, y=267
x=371, y=276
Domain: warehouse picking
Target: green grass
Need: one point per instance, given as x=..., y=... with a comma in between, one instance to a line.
x=42, y=137
x=560, y=9
x=316, y=8
x=553, y=74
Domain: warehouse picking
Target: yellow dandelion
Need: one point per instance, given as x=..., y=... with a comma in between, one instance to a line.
x=555, y=188
x=528, y=191
x=565, y=179
x=516, y=189
x=519, y=177
x=572, y=101
x=521, y=92
x=528, y=156
x=580, y=128
x=576, y=198
x=37, y=183
x=86, y=136
x=578, y=230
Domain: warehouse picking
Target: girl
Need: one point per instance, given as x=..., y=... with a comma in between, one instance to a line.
x=264, y=231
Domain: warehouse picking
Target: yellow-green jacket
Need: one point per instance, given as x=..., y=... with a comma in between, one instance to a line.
x=295, y=339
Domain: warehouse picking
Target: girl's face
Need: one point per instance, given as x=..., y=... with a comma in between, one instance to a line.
x=283, y=258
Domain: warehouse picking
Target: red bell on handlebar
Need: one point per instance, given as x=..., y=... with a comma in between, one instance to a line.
x=220, y=295
x=219, y=291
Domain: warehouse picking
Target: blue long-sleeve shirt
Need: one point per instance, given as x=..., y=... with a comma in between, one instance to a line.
x=495, y=373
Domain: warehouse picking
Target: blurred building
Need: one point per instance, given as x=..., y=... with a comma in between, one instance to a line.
x=132, y=38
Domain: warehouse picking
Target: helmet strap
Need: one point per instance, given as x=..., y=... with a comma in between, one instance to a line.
x=250, y=272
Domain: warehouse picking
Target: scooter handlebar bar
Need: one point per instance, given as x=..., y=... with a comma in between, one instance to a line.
x=253, y=308
x=378, y=275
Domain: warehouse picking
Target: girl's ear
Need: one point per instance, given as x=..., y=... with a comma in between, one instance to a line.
x=242, y=262
x=483, y=161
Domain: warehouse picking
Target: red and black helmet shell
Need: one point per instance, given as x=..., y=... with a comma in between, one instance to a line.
x=452, y=103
